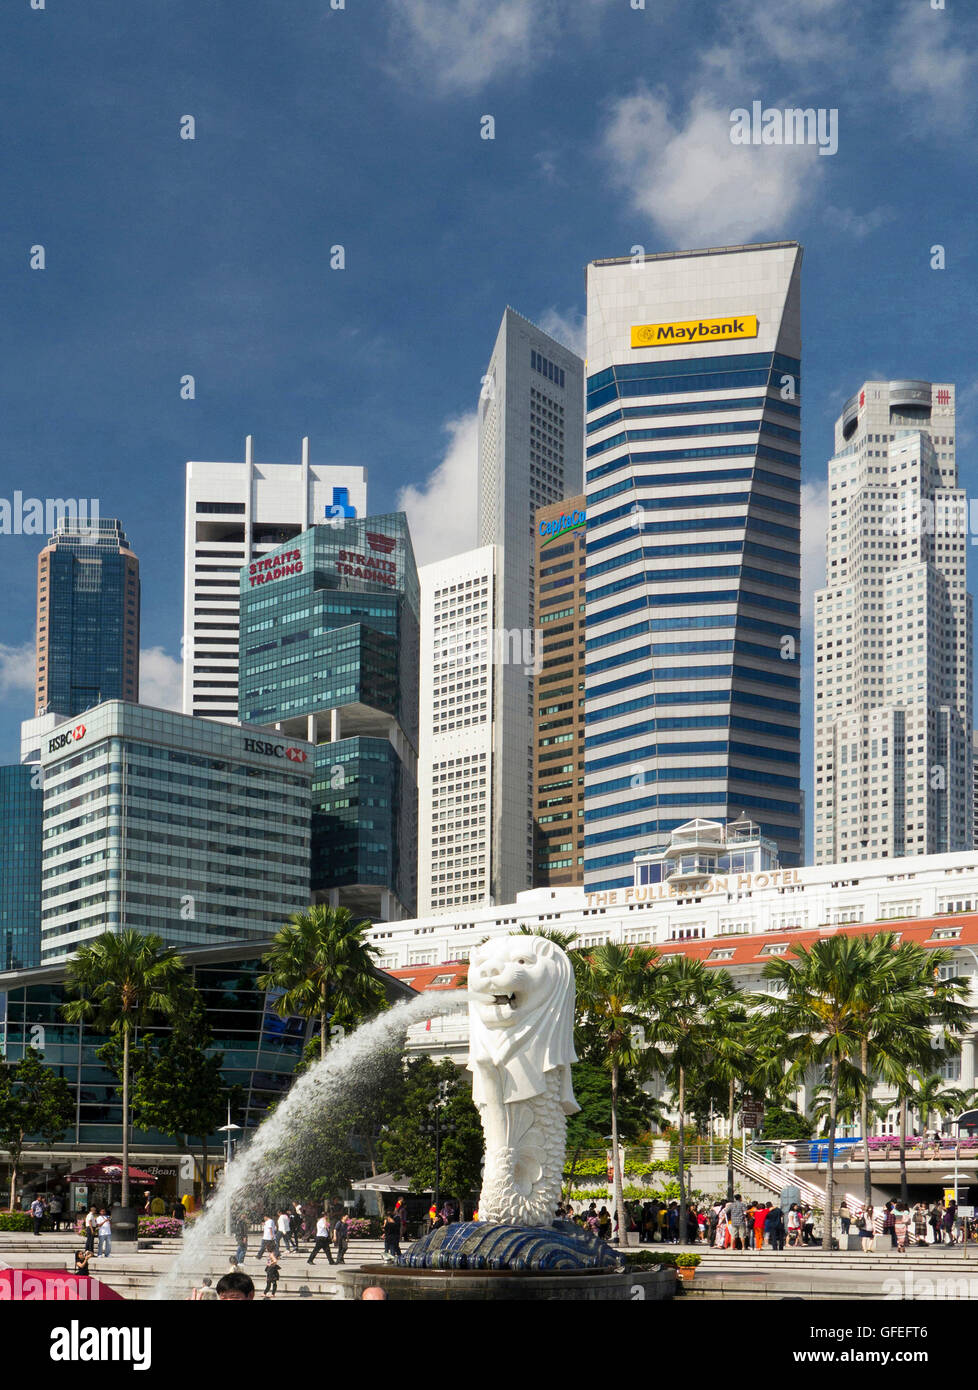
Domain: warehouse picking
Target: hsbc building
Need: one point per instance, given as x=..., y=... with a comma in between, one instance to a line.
x=192, y=829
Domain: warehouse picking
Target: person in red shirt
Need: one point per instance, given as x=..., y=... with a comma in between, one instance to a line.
x=760, y=1214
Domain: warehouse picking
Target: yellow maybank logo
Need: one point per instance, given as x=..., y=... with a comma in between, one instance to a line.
x=645, y=335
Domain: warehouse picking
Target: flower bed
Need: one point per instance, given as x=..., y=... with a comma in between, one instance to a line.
x=160, y=1227
x=364, y=1227
x=21, y=1221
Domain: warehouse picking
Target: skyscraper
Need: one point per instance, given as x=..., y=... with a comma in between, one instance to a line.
x=893, y=633
x=186, y=828
x=20, y=867
x=693, y=485
x=530, y=453
x=455, y=786
x=558, y=694
x=329, y=653
x=236, y=513
x=87, y=618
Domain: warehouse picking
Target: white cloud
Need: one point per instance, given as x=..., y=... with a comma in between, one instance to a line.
x=929, y=60
x=698, y=188
x=856, y=224
x=443, y=511
x=463, y=44
x=17, y=669
x=160, y=679
x=814, y=525
x=569, y=329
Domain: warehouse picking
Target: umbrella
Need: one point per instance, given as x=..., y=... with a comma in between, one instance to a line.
x=109, y=1170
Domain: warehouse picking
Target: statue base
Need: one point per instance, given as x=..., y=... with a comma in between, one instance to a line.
x=402, y=1284
x=490, y=1245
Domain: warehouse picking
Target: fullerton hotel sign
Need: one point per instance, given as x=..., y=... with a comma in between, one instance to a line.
x=719, y=883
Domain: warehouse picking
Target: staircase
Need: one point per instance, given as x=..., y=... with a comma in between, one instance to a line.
x=775, y=1178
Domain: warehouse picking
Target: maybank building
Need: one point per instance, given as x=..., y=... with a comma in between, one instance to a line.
x=693, y=482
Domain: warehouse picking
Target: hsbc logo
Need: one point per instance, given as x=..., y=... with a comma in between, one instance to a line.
x=275, y=750
x=62, y=740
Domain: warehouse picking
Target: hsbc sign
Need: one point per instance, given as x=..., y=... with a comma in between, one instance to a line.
x=275, y=750
x=63, y=740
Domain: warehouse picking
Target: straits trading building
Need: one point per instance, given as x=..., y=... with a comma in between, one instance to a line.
x=693, y=478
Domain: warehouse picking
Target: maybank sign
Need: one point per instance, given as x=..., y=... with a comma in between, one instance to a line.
x=645, y=335
x=567, y=521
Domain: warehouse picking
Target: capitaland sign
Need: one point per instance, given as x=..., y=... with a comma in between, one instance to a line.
x=63, y=740
x=648, y=335
x=275, y=567
x=719, y=883
x=567, y=521
x=275, y=750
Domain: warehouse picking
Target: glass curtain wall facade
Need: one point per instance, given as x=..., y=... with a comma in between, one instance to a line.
x=87, y=618
x=330, y=653
x=259, y=1050
x=693, y=480
x=191, y=829
x=21, y=804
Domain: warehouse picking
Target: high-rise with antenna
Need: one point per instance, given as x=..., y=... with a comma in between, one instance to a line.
x=236, y=513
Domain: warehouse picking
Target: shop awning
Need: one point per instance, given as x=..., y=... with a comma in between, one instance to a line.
x=109, y=1170
x=49, y=1284
x=383, y=1182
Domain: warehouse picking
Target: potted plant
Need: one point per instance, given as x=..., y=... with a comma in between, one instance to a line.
x=686, y=1262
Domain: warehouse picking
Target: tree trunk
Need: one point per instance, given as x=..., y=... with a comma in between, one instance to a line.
x=125, y=1116
x=618, y=1185
x=571, y=1175
x=14, y=1165
x=682, y=1155
x=864, y=1123
x=730, y=1144
x=830, y=1165
x=904, y=1185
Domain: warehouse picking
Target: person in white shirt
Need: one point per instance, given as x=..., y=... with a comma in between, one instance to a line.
x=322, y=1241
x=284, y=1232
x=267, y=1236
x=90, y=1228
x=104, y=1224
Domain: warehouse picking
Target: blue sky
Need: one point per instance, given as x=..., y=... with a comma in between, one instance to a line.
x=361, y=126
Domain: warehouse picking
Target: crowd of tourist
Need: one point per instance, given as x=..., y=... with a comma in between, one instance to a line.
x=763, y=1224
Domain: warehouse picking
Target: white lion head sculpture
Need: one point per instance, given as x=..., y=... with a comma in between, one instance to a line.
x=521, y=1018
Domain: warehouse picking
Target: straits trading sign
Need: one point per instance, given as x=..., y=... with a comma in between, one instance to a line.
x=719, y=883
x=275, y=567
x=650, y=335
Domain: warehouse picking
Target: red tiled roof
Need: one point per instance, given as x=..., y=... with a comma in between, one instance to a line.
x=422, y=977
x=748, y=950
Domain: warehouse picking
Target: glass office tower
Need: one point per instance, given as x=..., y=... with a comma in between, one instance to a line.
x=329, y=653
x=87, y=618
x=693, y=478
x=20, y=867
x=190, y=829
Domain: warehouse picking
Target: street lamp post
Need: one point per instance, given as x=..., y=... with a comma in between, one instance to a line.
x=436, y=1127
x=227, y=1130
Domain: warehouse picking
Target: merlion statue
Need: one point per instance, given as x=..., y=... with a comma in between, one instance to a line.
x=521, y=1046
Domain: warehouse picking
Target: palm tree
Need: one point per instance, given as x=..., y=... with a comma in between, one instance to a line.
x=564, y=939
x=930, y=1094
x=324, y=966
x=729, y=1060
x=612, y=985
x=124, y=981
x=819, y=1016
x=682, y=995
